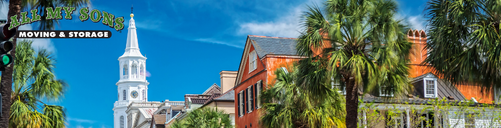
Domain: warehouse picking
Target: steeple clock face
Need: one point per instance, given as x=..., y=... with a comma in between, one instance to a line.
x=133, y=94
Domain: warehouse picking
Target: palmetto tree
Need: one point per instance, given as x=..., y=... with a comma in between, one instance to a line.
x=367, y=49
x=204, y=118
x=15, y=7
x=35, y=82
x=287, y=105
x=465, y=44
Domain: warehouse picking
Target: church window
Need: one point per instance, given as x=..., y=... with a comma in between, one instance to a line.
x=122, y=123
x=144, y=94
x=124, y=95
x=125, y=70
x=141, y=70
x=134, y=71
x=252, y=61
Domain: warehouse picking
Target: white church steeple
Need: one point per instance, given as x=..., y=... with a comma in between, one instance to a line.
x=132, y=85
x=132, y=48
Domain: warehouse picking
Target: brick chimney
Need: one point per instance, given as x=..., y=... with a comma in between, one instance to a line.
x=418, y=40
x=417, y=53
x=227, y=80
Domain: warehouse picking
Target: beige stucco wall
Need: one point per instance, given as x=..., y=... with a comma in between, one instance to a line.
x=227, y=80
x=227, y=107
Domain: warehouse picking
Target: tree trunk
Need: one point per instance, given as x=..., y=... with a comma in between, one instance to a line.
x=6, y=89
x=351, y=103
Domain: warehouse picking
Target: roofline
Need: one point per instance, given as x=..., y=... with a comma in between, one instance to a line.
x=284, y=56
x=251, y=77
x=270, y=37
x=216, y=100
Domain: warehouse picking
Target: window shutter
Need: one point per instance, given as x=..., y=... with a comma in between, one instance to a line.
x=251, y=98
x=255, y=95
x=238, y=103
x=245, y=101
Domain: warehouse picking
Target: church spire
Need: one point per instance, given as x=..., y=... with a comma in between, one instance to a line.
x=132, y=47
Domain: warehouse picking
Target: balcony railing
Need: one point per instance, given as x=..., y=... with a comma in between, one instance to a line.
x=121, y=103
x=145, y=104
x=175, y=103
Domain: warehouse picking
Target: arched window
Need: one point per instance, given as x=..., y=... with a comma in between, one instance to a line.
x=134, y=71
x=144, y=95
x=125, y=70
x=124, y=95
x=141, y=70
x=122, y=122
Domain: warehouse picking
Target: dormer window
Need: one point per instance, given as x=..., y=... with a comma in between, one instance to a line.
x=430, y=87
x=385, y=90
x=252, y=61
x=337, y=84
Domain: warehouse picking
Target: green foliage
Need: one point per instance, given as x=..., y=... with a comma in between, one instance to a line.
x=288, y=105
x=34, y=82
x=204, y=118
x=369, y=50
x=465, y=43
x=442, y=113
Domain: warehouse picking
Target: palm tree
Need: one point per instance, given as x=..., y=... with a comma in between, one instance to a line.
x=15, y=7
x=465, y=46
x=287, y=105
x=364, y=46
x=204, y=118
x=35, y=82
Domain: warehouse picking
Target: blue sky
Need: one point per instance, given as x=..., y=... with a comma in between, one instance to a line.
x=187, y=43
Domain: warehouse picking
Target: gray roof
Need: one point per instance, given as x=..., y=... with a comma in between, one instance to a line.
x=273, y=45
x=230, y=95
x=444, y=89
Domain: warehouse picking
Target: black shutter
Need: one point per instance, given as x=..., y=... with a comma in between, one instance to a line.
x=251, y=98
x=255, y=95
x=245, y=101
x=238, y=103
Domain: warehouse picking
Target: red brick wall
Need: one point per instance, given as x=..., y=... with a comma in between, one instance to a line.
x=417, y=68
x=269, y=64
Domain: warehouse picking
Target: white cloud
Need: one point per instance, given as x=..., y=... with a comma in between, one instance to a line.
x=80, y=120
x=217, y=42
x=286, y=26
x=417, y=22
x=80, y=126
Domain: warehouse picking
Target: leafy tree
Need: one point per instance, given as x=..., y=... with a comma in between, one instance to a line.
x=15, y=7
x=364, y=47
x=204, y=118
x=288, y=105
x=35, y=82
x=465, y=43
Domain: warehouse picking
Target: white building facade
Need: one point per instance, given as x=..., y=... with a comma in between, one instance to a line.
x=132, y=86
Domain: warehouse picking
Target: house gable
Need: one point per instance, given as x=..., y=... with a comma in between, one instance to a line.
x=243, y=70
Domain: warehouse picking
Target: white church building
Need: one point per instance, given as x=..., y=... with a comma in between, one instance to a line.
x=132, y=108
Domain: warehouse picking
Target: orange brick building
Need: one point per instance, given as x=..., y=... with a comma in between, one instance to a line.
x=263, y=55
x=418, y=68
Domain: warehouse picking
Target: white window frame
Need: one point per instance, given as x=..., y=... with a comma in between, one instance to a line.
x=399, y=120
x=337, y=84
x=249, y=96
x=426, y=95
x=241, y=103
x=122, y=121
x=258, y=94
x=381, y=92
x=252, y=61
